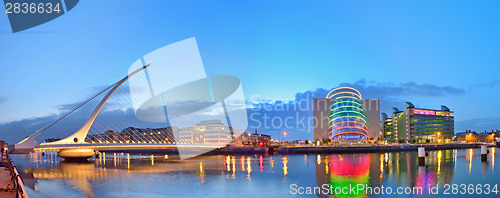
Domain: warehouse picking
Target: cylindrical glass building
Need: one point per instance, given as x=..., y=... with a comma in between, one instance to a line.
x=347, y=119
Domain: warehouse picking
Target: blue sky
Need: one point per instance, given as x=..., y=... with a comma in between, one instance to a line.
x=447, y=52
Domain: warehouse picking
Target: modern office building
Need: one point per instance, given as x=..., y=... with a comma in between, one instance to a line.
x=422, y=125
x=371, y=109
x=212, y=132
x=322, y=108
x=386, y=127
x=134, y=135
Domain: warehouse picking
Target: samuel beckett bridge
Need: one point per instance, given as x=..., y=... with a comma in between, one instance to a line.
x=191, y=100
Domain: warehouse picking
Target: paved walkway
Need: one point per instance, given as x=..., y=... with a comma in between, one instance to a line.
x=4, y=181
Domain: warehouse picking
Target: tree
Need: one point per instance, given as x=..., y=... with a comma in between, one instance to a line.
x=306, y=142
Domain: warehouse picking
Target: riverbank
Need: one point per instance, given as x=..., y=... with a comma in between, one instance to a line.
x=11, y=184
x=338, y=149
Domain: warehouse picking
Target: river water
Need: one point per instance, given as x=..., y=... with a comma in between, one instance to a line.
x=122, y=175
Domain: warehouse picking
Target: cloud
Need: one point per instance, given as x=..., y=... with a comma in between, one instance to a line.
x=487, y=84
x=3, y=99
x=478, y=125
x=409, y=88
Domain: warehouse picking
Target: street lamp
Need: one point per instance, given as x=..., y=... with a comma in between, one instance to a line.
x=284, y=133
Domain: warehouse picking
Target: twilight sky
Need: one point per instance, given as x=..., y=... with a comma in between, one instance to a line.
x=427, y=52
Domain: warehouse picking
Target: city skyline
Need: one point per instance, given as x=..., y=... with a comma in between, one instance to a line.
x=391, y=53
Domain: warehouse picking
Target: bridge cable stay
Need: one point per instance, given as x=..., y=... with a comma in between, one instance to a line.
x=112, y=123
x=108, y=123
x=39, y=131
x=30, y=142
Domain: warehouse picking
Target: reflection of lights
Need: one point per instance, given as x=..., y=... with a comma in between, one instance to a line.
x=318, y=159
x=271, y=161
x=242, y=163
x=128, y=161
x=439, y=155
x=349, y=170
x=233, y=160
x=492, y=158
x=114, y=158
x=261, y=159
x=228, y=163
x=381, y=165
x=249, y=168
x=285, y=167
x=152, y=160
x=470, y=160
x=202, y=173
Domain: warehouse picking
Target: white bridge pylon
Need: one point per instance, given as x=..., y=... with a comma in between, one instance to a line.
x=79, y=136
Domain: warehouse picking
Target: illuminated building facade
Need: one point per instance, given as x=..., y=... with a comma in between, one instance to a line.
x=344, y=115
x=386, y=127
x=371, y=109
x=347, y=117
x=212, y=132
x=422, y=125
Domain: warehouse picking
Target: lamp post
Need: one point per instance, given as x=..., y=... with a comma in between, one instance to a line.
x=284, y=133
x=438, y=134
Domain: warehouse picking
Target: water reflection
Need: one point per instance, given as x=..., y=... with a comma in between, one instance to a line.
x=376, y=169
x=237, y=172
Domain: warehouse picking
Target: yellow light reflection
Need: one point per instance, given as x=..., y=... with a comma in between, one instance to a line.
x=242, y=163
x=104, y=158
x=114, y=158
x=128, y=161
x=440, y=156
x=152, y=160
x=228, y=163
x=249, y=168
x=326, y=168
x=202, y=173
x=381, y=158
x=492, y=158
x=470, y=160
x=285, y=167
x=271, y=161
x=233, y=160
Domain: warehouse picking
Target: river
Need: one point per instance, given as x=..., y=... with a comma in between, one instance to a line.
x=123, y=175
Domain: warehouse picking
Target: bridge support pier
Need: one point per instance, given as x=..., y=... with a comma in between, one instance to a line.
x=79, y=154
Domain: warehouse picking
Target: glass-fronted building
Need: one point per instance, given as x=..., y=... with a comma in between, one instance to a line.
x=422, y=125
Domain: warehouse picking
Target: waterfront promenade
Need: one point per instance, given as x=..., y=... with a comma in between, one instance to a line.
x=11, y=184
